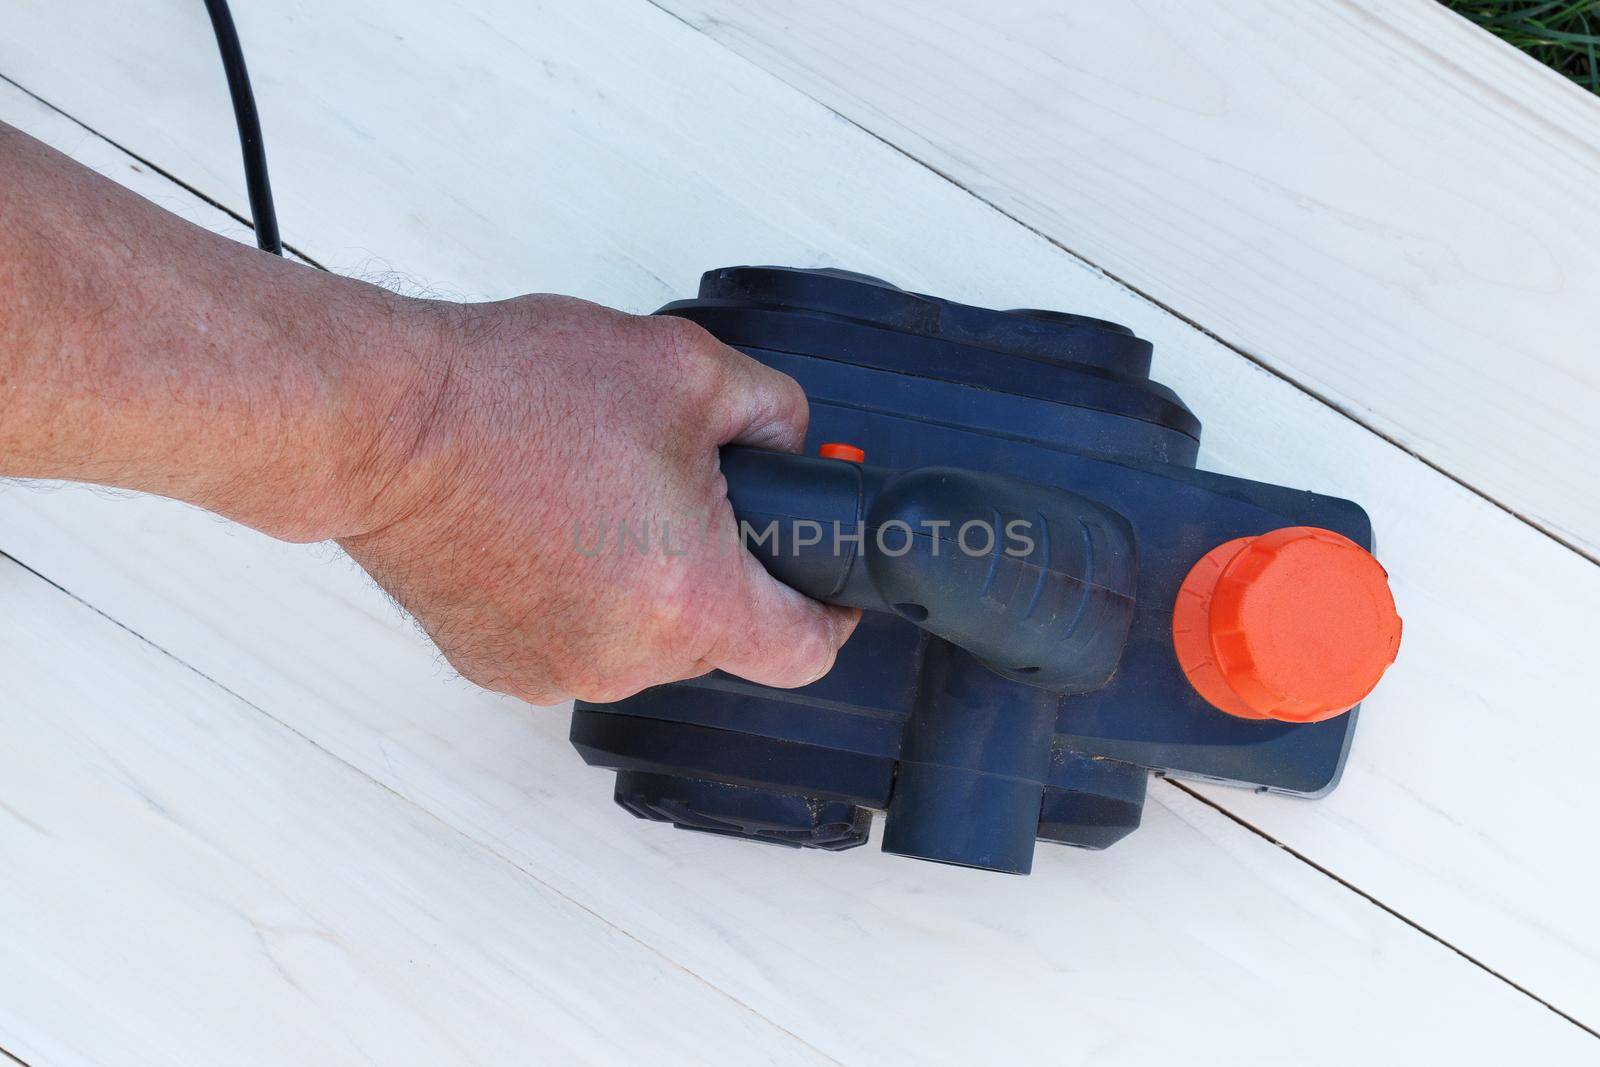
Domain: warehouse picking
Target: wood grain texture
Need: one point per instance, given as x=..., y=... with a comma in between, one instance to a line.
x=1372, y=197
x=1202, y=941
x=1193, y=912
x=189, y=881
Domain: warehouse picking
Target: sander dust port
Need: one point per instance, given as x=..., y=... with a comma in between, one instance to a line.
x=1056, y=603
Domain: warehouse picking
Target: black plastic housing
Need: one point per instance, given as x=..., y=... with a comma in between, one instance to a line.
x=984, y=701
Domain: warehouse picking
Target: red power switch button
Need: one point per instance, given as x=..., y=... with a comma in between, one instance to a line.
x=1296, y=625
x=834, y=450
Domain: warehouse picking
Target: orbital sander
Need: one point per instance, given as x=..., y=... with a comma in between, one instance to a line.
x=1056, y=603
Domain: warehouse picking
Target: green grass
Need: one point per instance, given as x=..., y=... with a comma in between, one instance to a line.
x=1561, y=34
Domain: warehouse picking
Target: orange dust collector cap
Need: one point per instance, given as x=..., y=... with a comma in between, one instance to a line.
x=1296, y=625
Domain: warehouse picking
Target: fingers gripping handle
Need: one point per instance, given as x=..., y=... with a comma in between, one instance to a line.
x=1035, y=581
x=791, y=507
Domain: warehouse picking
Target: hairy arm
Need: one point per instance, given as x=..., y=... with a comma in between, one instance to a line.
x=139, y=351
x=450, y=449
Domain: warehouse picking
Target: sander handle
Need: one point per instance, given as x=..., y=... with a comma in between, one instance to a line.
x=1035, y=581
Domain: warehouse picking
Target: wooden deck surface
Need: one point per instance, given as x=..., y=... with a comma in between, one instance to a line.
x=247, y=817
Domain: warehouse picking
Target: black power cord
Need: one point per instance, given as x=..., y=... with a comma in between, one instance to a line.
x=263, y=215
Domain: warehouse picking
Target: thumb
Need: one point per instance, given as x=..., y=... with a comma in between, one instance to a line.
x=781, y=638
x=762, y=407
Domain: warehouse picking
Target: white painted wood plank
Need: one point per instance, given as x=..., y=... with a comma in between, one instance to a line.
x=1372, y=196
x=1208, y=944
x=673, y=157
x=188, y=881
x=1200, y=941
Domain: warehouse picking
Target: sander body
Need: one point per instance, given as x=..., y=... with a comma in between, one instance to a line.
x=1056, y=602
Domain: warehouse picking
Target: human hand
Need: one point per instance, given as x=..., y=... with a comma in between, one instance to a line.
x=452, y=449
x=547, y=423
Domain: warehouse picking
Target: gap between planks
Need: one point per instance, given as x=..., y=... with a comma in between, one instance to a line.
x=1374, y=901
x=525, y=871
x=1214, y=805
x=1054, y=242
x=154, y=168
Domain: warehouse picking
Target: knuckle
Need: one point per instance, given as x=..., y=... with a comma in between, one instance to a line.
x=694, y=361
x=682, y=344
x=679, y=331
x=786, y=393
x=813, y=654
x=786, y=402
x=812, y=668
x=816, y=659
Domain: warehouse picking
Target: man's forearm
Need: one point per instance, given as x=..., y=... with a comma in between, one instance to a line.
x=450, y=449
x=140, y=351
